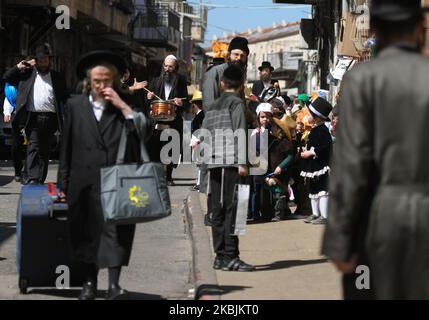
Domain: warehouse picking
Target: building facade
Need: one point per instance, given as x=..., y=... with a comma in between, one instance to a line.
x=142, y=31
x=283, y=46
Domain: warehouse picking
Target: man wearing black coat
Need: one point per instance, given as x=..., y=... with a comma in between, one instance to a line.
x=265, y=81
x=41, y=94
x=92, y=130
x=170, y=85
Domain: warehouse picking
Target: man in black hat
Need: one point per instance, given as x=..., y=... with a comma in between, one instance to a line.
x=265, y=81
x=41, y=94
x=238, y=53
x=378, y=213
x=92, y=130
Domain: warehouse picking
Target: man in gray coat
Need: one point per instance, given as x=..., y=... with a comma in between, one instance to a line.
x=379, y=192
x=238, y=52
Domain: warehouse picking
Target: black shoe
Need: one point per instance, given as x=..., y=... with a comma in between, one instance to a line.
x=89, y=291
x=18, y=178
x=255, y=220
x=208, y=220
x=276, y=219
x=116, y=293
x=237, y=265
x=218, y=263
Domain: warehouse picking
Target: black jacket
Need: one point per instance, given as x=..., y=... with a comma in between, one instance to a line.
x=179, y=90
x=197, y=122
x=258, y=87
x=86, y=147
x=24, y=82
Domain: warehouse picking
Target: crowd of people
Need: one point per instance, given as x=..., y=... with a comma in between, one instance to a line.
x=38, y=105
x=292, y=164
x=372, y=164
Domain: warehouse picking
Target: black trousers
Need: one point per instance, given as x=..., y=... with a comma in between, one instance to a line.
x=40, y=132
x=224, y=244
x=16, y=150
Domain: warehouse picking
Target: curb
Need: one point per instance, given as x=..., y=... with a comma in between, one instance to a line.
x=204, y=277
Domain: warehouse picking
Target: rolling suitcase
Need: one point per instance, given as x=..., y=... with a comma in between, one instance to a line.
x=43, y=250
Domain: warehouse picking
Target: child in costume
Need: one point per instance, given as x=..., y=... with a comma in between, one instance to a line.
x=316, y=161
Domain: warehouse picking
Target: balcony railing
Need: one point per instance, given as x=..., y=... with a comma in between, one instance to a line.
x=157, y=27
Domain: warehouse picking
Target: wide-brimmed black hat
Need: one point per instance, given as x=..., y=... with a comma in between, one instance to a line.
x=239, y=43
x=43, y=50
x=266, y=64
x=92, y=58
x=321, y=108
x=396, y=10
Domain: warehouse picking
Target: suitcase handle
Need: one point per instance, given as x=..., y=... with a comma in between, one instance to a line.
x=52, y=201
x=52, y=191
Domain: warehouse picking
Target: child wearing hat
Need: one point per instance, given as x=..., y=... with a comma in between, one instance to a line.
x=264, y=120
x=316, y=164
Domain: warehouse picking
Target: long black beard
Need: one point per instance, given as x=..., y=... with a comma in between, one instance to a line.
x=238, y=63
x=265, y=78
x=169, y=77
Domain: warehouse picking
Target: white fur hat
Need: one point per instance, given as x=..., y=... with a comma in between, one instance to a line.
x=264, y=107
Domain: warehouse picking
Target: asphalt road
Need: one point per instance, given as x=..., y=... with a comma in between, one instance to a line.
x=161, y=262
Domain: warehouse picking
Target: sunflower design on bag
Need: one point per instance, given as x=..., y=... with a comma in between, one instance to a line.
x=137, y=197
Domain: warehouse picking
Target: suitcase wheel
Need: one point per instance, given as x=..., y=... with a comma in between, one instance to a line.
x=23, y=286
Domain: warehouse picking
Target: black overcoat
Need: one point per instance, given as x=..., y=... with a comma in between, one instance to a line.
x=87, y=146
x=179, y=90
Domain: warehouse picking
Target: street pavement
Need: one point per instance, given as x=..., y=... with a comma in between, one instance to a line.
x=172, y=258
x=161, y=261
x=286, y=255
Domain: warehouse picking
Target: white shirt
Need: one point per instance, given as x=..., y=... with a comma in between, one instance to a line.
x=42, y=97
x=98, y=107
x=7, y=108
x=167, y=89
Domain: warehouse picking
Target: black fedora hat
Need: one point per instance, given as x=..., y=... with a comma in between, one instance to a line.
x=321, y=108
x=43, y=50
x=266, y=64
x=92, y=58
x=396, y=10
